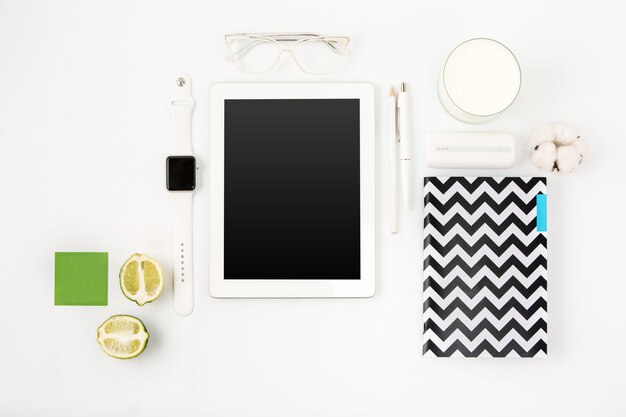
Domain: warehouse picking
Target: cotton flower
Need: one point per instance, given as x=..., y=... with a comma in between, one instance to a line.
x=557, y=147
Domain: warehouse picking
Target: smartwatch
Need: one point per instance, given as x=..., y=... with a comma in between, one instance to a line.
x=180, y=168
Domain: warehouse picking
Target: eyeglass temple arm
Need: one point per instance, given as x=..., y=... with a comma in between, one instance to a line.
x=243, y=51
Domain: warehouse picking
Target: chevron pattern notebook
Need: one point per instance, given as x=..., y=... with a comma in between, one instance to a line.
x=485, y=265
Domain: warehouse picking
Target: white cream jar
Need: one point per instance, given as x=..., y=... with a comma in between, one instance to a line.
x=480, y=79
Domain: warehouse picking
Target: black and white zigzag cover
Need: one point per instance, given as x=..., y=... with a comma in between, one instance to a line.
x=485, y=265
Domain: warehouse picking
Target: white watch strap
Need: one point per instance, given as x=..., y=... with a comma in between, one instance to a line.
x=182, y=260
x=181, y=110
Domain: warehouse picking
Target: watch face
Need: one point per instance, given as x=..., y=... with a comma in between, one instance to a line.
x=181, y=173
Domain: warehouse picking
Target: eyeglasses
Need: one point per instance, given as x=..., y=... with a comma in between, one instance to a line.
x=256, y=53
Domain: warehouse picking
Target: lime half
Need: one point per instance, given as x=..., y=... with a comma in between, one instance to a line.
x=141, y=279
x=123, y=337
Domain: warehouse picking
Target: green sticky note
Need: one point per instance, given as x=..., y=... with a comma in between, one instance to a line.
x=81, y=278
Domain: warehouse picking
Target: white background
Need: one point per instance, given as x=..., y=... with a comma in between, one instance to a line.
x=84, y=129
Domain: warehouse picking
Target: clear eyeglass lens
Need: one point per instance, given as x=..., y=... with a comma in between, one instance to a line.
x=254, y=55
x=319, y=56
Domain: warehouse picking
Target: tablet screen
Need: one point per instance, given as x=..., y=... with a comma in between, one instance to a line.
x=291, y=189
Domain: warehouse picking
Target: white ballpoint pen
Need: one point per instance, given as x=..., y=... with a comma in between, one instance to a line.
x=394, y=161
x=405, y=147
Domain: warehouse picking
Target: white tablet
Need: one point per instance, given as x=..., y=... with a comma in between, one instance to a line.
x=292, y=190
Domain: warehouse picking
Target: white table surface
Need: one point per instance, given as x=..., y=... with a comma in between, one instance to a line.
x=84, y=129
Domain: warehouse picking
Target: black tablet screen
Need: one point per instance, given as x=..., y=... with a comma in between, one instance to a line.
x=291, y=189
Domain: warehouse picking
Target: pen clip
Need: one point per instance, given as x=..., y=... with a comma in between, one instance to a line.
x=397, y=123
x=399, y=110
x=392, y=94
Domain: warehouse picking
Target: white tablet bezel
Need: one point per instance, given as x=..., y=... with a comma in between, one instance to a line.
x=281, y=288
